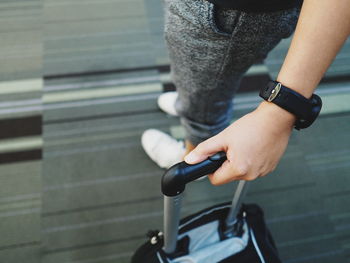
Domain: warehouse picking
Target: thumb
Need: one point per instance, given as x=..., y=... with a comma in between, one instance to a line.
x=205, y=149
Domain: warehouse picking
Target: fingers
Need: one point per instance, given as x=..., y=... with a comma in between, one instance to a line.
x=229, y=172
x=205, y=149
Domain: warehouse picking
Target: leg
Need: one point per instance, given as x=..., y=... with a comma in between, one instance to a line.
x=210, y=49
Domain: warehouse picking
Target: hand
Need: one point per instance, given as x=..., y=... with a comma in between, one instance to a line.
x=254, y=144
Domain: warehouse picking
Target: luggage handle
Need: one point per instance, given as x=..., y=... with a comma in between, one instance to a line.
x=173, y=184
x=176, y=178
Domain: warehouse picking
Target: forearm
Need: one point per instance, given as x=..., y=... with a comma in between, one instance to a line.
x=323, y=27
x=263, y=134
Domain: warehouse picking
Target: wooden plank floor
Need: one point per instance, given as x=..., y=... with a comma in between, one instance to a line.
x=20, y=131
x=101, y=193
x=95, y=193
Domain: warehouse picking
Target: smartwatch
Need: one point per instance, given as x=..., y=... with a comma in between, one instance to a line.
x=306, y=110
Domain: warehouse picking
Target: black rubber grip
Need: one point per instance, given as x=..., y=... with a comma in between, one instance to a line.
x=176, y=177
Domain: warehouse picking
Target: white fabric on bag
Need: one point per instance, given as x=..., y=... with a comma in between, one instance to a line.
x=205, y=245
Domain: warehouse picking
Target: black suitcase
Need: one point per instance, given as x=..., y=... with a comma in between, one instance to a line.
x=225, y=233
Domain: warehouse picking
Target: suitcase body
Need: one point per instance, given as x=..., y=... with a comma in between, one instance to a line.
x=225, y=233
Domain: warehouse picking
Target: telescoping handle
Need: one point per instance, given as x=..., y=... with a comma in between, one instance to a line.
x=173, y=184
x=175, y=178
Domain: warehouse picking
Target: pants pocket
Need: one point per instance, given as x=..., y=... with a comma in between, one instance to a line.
x=289, y=19
x=202, y=16
x=223, y=21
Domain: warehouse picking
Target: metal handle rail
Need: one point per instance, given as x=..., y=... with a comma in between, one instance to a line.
x=173, y=185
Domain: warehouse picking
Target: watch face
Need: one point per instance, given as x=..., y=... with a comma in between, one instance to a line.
x=274, y=92
x=306, y=110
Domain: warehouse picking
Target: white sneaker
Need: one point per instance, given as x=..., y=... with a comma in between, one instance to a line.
x=162, y=148
x=166, y=102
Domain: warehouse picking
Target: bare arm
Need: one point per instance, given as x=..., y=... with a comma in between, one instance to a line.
x=255, y=143
x=323, y=27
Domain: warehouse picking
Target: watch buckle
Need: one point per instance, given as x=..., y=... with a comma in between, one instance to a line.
x=274, y=92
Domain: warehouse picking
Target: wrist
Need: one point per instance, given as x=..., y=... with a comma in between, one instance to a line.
x=276, y=114
x=305, y=110
x=299, y=85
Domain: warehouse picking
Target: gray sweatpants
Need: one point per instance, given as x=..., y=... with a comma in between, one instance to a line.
x=210, y=49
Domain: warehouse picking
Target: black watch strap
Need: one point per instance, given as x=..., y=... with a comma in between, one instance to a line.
x=306, y=110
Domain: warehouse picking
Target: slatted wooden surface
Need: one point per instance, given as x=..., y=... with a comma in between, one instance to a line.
x=21, y=45
x=101, y=193
x=20, y=130
x=95, y=193
x=95, y=35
